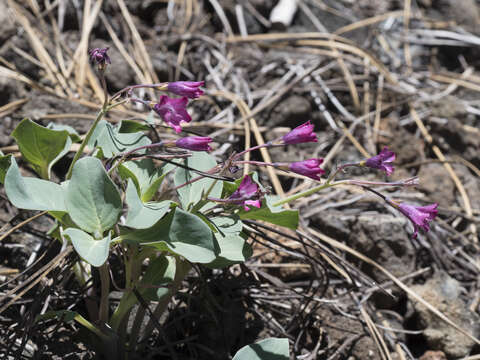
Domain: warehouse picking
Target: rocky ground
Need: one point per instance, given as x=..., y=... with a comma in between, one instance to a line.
x=368, y=73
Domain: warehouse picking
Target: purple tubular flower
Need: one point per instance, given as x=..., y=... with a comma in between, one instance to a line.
x=246, y=194
x=173, y=111
x=308, y=168
x=190, y=89
x=382, y=161
x=301, y=134
x=418, y=215
x=194, y=143
x=99, y=56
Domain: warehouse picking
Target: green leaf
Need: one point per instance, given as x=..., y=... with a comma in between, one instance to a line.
x=180, y=233
x=68, y=315
x=272, y=214
x=93, y=201
x=32, y=193
x=143, y=215
x=233, y=247
x=268, y=349
x=112, y=142
x=40, y=146
x=71, y=131
x=146, y=177
x=130, y=126
x=5, y=161
x=192, y=193
x=153, y=285
x=160, y=271
x=95, y=252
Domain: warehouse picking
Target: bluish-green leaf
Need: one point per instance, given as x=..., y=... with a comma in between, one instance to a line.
x=143, y=215
x=93, y=201
x=71, y=131
x=268, y=349
x=93, y=251
x=233, y=247
x=40, y=146
x=112, y=142
x=32, y=193
x=181, y=233
x=272, y=214
x=191, y=194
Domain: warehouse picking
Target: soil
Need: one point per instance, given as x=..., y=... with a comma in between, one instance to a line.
x=412, y=88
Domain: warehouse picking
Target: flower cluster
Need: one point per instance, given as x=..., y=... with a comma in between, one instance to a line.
x=173, y=111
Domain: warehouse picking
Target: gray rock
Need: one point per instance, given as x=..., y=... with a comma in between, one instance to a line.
x=434, y=180
x=443, y=292
x=292, y=111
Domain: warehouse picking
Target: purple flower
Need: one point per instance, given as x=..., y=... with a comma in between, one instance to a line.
x=418, y=215
x=308, y=168
x=99, y=56
x=246, y=194
x=173, y=111
x=301, y=134
x=381, y=161
x=189, y=89
x=194, y=143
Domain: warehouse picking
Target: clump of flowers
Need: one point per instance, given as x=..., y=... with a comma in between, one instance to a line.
x=174, y=233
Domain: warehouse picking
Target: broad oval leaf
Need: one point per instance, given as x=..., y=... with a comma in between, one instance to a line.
x=191, y=194
x=40, y=146
x=233, y=247
x=268, y=349
x=112, y=142
x=143, y=215
x=93, y=201
x=95, y=252
x=32, y=193
x=180, y=233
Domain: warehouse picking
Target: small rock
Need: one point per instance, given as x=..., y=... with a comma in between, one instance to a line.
x=464, y=12
x=436, y=182
x=433, y=355
x=383, y=237
x=443, y=293
x=292, y=111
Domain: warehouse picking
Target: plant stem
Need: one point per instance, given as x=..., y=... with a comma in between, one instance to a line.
x=308, y=192
x=105, y=290
x=181, y=271
x=100, y=115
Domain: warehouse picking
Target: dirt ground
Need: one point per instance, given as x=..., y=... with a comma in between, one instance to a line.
x=351, y=283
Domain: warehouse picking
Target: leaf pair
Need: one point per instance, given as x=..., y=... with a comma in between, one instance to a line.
x=90, y=198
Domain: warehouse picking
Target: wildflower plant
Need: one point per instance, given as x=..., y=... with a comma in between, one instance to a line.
x=164, y=204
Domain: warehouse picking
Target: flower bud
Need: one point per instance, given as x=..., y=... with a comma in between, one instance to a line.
x=301, y=134
x=308, y=168
x=190, y=89
x=194, y=143
x=99, y=57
